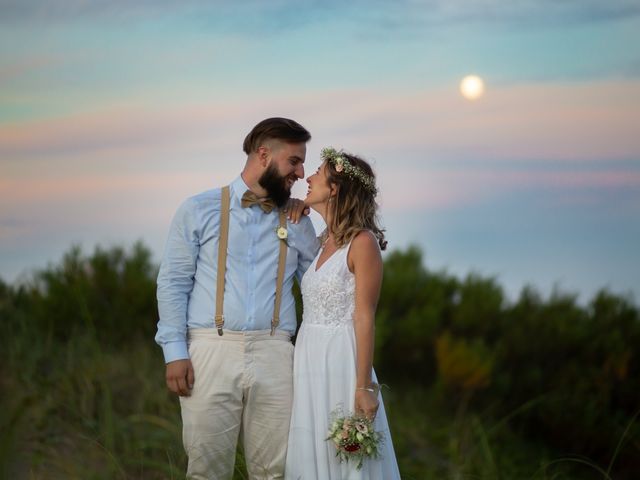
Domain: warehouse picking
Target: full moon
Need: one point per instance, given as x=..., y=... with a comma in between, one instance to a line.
x=472, y=87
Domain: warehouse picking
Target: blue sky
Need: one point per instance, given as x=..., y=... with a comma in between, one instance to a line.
x=111, y=113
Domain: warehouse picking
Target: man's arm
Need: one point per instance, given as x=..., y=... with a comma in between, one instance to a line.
x=175, y=282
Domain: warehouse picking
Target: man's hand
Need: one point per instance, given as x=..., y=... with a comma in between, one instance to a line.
x=295, y=209
x=180, y=377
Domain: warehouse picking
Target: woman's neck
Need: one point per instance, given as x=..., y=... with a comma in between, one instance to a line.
x=329, y=240
x=324, y=213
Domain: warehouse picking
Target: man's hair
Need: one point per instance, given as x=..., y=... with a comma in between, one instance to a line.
x=277, y=128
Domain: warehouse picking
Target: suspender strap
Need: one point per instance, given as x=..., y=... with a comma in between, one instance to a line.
x=282, y=260
x=223, y=242
x=222, y=257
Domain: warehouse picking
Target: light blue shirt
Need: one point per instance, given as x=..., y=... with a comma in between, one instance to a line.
x=188, y=272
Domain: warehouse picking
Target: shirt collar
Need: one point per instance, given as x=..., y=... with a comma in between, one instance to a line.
x=238, y=187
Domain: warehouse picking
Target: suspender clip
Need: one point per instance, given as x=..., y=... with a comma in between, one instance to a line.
x=219, y=323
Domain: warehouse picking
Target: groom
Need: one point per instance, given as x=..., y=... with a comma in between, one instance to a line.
x=226, y=336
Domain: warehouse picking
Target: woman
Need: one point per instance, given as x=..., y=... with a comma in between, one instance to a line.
x=334, y=349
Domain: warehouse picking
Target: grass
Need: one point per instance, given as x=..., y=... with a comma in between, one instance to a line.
x=84, y=411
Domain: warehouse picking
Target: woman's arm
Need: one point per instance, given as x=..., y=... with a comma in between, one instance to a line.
x=365, y=262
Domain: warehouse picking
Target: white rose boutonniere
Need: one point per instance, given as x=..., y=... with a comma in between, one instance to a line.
x=282, y=234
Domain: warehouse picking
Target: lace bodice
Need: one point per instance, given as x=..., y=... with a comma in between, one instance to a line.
x=328, y=294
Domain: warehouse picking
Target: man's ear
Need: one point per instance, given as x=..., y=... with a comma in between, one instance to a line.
x=263, y=155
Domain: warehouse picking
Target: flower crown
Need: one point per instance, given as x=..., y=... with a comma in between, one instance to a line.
x=341, y=164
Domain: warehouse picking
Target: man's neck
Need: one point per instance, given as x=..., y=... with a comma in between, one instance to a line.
x=253, y=184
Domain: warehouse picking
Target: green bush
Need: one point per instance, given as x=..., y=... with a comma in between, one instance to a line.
x=564, y=374
x=480, y=387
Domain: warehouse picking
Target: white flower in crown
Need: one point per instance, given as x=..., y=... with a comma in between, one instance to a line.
x=282, y=233
x=342, y=164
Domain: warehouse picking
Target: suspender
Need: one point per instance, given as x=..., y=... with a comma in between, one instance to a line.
x=222, y=264
x=282, y=260
x=222, y=257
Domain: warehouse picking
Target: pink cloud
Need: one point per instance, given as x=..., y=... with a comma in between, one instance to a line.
x=596, y=120
x=449, y=188
x=112, y=129
x=53, y=190
x=19, y=68
x=133, y=202
x=158, y=156
x=556, y=122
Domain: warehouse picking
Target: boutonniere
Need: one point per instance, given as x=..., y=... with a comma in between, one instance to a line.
x=282, y=234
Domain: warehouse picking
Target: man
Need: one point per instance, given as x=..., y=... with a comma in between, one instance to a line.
x=226, y=344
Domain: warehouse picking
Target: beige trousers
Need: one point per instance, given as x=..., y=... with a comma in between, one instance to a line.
x=243, y=389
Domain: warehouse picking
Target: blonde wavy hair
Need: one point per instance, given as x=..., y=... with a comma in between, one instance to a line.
x=354, y=206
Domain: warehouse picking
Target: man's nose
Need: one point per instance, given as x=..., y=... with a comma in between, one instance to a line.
x=300, y=171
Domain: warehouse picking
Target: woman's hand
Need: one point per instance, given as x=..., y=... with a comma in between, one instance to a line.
x=366, y=403
x=295, y=209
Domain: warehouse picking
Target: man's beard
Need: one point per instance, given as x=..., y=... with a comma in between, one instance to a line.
x=275, y=185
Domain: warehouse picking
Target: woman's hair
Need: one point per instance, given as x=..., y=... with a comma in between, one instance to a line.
x=354, y=206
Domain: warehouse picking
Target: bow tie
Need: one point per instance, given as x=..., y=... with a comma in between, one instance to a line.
x=265, y=203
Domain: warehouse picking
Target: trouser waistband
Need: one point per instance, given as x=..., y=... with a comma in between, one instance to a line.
x=236, y=336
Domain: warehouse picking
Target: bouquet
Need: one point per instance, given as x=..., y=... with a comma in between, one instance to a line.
x=354, y=437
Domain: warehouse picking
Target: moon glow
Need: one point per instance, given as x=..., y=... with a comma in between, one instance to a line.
x=472, y=87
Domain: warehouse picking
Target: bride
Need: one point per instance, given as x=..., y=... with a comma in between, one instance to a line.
x=334, y=349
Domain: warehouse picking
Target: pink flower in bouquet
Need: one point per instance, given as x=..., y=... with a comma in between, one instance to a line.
x=362, y=428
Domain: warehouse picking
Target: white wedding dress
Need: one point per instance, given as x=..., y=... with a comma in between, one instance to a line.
x=324, y=377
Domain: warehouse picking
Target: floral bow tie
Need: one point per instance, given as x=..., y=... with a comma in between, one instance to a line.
x=265, y=203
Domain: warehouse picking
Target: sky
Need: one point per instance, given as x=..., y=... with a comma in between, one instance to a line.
x=113, y=112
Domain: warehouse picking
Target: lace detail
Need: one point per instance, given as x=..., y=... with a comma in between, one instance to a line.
x=328, y=295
